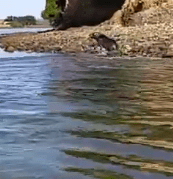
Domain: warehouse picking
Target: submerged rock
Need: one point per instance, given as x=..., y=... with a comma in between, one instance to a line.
x=169, y=53
x=1, y=46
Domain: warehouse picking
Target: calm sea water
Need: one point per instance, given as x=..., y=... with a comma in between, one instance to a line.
x=71, y=117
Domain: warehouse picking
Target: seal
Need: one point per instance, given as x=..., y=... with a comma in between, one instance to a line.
x=104, y=41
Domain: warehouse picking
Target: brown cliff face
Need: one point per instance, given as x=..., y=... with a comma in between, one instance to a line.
x=86, y=12
x=140, y=12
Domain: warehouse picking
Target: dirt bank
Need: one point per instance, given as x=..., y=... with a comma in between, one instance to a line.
x=149, y=33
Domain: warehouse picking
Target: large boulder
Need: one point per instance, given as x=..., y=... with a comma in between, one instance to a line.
x=76, y=13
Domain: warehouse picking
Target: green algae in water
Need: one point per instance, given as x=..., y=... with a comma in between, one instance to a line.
x=112, y=136
x=107, y=118
x=100, y=174
x=132, y=161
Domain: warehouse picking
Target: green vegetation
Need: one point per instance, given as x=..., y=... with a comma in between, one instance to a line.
x=131, y=161
x=51, y=11
x=20, y=21
x=100, y=174
x=15, y=24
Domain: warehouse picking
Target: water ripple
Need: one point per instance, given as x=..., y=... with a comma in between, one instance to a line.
x=68, y=119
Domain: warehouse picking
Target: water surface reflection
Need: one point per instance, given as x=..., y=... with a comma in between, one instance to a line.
x=79, y=117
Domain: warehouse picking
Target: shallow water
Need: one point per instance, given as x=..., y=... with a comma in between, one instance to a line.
x=78, y=117
x=20, y=30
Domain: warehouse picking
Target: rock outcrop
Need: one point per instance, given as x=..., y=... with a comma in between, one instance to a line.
x=140, y=12
x=77, y=13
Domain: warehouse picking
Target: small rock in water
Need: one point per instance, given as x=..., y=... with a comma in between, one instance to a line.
x=170, y=47
x=10, y=49
x=169, y=53
x=29, y=51
x=57, y=48
x=1, y=46
x=113, y=53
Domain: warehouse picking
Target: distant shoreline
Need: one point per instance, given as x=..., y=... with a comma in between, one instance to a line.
x=40, y=24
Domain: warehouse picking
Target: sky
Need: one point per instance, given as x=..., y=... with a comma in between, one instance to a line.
x=21, y=8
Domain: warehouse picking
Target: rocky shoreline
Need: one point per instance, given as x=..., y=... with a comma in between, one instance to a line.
x=153, y=37
x=147, y=41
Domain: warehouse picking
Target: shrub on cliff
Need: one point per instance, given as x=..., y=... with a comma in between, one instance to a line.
x=51, y=10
